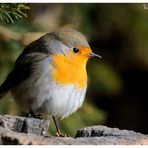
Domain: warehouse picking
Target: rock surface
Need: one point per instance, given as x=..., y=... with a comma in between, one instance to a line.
x=25, y=124
x=21, y=130
x=113, y=135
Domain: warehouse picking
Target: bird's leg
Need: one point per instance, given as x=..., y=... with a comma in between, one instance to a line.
x=58, y=133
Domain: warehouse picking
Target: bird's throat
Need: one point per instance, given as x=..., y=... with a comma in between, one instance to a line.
x=70, y=70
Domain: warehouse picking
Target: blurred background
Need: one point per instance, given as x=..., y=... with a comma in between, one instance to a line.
x=117, y=93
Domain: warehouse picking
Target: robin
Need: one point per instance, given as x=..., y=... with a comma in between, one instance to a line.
x=50, y=77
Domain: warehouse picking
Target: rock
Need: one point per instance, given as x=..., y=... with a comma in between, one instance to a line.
x=25, y=124
x=15, y=130
x=112, y=135
x=8, y=137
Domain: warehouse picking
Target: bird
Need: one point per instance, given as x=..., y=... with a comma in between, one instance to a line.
x=50, y=77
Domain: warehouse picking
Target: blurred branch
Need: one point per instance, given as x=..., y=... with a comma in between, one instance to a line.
x=9, y=12
x=25, y=39
x=6, y=34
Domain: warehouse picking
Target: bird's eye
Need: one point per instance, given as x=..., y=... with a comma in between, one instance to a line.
x=76, y=50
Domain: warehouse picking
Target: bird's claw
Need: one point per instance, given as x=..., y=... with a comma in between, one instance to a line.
x=59, y=134
x=32, y=114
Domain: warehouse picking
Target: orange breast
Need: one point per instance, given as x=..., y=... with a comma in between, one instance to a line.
x=70, y=70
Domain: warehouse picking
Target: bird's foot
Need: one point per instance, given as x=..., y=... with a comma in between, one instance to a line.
x=59, y=134
x=32, y=114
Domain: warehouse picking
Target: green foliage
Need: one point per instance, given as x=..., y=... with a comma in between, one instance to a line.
x=9, y=12
x=103, y=78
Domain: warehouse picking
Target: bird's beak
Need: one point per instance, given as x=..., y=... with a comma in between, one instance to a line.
x=94, y=55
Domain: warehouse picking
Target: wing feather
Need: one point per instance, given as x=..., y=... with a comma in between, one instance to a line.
x=24, y=65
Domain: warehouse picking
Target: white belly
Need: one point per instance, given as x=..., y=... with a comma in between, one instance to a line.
x=41, y=94
x=64, y=100
x=50, y=99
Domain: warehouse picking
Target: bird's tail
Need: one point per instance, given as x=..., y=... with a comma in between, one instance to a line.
x=10, y=81
x=3, y=90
